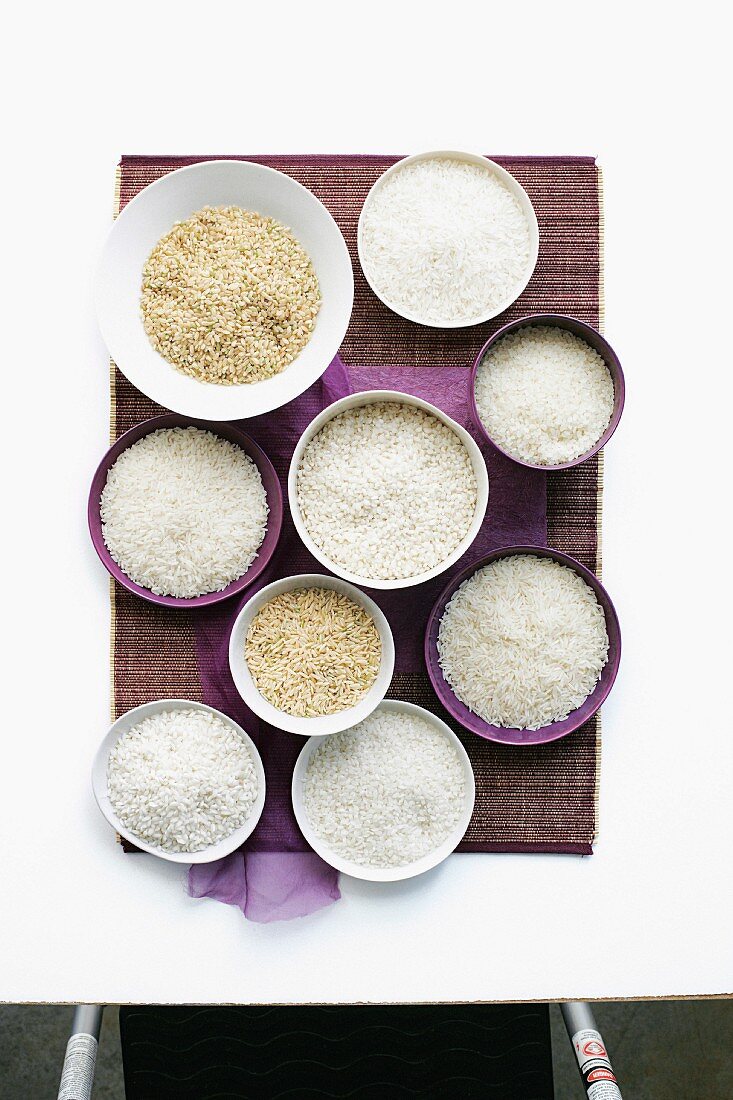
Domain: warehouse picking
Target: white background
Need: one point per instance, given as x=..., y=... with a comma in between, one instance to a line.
x=648, y=914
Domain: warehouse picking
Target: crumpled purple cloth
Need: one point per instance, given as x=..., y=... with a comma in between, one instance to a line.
x=267, y=886
x=277, y=876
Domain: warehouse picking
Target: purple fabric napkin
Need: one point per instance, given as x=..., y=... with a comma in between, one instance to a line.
x=277, y=876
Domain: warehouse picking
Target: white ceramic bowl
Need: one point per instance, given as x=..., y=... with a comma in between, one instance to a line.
x=370, y=397
x=519, y=194
x=99, y=783
x=386, y=874
x=328, y=723
x=150, y=215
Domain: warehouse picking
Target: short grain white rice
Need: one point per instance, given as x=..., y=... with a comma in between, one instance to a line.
x=445, y=241
x=386, y=792
x=182, y=780
x=544, y=394
x=386, y=490
x=184, y=512
x=523, y=642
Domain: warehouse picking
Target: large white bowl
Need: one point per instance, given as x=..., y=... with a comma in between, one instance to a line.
x=371, y=397
x=519, y=194
x=150, y=215
x=327, y=723
x=408, y=870
x=99, y=783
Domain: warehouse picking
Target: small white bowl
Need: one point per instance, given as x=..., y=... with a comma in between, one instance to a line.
x=99, y=783
x=150, y=215
x=371, y=397
x=519, y=194
x=386, y=874
x=328, y=723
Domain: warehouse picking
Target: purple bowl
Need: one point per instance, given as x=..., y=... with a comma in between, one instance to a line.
x=226, y=431
x=507, y=735
x=596, y=341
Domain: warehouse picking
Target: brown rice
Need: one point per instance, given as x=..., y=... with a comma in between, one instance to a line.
x=312, y=652
x=229, y=296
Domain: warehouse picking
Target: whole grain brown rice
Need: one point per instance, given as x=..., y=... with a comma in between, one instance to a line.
x=229, y=296
x=312, y=652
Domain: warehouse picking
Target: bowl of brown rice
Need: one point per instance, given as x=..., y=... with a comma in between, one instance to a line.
x=224, y=289
x=311, y=654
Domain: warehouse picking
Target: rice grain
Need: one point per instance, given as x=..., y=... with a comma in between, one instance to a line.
x=312, y=652
x=229, y=296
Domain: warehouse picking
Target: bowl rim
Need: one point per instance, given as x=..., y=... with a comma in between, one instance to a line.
x=408, y=870
x=309, y=727
x=372, y=397
x=225, y=430
x=99, y=782
x=519, y=193
x=586, y=332
x=232, y=165
x=508, y=735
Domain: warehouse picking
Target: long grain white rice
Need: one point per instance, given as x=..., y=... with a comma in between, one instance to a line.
x=386, y=490
x=445, y=241
x=523, y=642
x=386, y=792
x=545, y=395
x=313, y=651
x=184, y=512
x=182, y=780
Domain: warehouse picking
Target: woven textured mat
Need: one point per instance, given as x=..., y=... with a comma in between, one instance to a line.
x=539, y=798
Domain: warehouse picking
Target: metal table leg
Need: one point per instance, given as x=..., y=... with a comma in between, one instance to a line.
x=77, y=1078
x=594, y=1064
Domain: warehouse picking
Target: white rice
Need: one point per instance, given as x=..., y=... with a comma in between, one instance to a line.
x=544, y=394
x=386, y=792
x=445, y=241
x=523, y=642
x=386, y=490
x=184, y=512
x=182, y=780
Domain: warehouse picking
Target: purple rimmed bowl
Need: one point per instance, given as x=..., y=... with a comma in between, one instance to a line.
x=226, y=431
x=596, y=341
x=505, y=734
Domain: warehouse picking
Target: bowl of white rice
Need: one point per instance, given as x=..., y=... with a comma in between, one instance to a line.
x=447, y=239
x=224, y=289
x=386, y=490
x=547, y=391
x=311, y=654
x=387, y=799
x=179, y=780
x=523, y=646
x=185, y=513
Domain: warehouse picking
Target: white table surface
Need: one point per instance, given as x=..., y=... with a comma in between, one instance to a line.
x=648, y=914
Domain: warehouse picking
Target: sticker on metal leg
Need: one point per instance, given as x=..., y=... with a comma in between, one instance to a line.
x=595, y=1066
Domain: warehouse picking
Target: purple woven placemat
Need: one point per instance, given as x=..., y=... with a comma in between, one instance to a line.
x=527, y=799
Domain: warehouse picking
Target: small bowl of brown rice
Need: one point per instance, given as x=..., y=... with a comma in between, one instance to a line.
x=311, y=654
x=224, y=290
